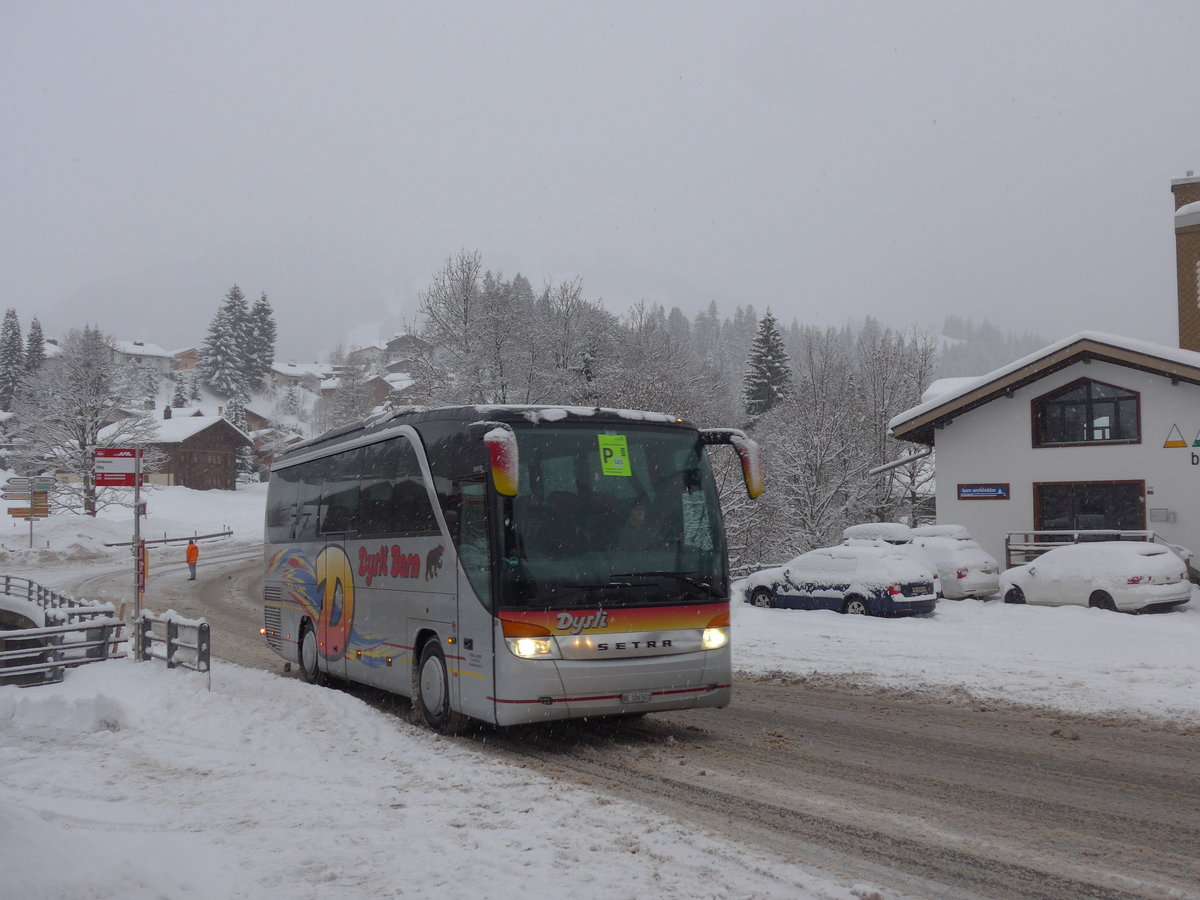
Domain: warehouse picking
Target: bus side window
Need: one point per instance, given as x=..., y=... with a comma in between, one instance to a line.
x=410, y=498
x=339, y=500
x=311, y=477
x=376, y=513
x=283, y=498
x=473, y=541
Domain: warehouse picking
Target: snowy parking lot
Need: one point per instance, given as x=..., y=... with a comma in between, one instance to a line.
x=1071, y=658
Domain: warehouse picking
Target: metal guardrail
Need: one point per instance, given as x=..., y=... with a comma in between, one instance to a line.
x=77, y=632
x=16, y=586
x=175, y=540
x=32, y=656
x=177, y=641
x=1021, y=547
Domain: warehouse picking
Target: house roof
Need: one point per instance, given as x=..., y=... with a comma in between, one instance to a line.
x=296, y=370
x=140, y=348
x=176, y=430
x=944, y=401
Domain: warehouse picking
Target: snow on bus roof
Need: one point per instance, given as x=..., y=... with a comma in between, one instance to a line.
x=549, y=413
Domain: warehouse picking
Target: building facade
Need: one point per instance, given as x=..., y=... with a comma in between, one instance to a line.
x=1093, y=432
x=201, y=452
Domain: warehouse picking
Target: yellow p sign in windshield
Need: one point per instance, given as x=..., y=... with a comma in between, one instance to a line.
x=614, y=454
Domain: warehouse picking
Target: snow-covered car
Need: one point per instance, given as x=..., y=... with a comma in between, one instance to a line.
x=965, y=568
x=1129, y=576
x=958, y=532
x=896, y=535
x=867, y=580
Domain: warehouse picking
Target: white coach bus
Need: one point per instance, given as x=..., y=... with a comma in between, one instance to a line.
x=507, y=564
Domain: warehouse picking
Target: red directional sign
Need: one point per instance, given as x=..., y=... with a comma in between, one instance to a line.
x=117, y=467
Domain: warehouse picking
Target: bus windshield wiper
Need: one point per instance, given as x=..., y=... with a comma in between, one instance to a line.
x=678, y=576
x=569, y=590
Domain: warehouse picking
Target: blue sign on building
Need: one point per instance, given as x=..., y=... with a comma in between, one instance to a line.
x=983, y=492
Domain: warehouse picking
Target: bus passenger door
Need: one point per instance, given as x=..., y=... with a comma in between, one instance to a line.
x=473, y=689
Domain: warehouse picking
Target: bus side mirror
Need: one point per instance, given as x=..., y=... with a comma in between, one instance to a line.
x=748, y=452
x=501, y=443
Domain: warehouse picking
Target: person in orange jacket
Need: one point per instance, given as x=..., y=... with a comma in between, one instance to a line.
x=193, y=554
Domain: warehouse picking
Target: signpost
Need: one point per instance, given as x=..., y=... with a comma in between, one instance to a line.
x=122, y=467
x=34, y=490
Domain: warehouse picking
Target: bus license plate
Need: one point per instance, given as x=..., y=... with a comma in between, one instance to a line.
x=635, y=697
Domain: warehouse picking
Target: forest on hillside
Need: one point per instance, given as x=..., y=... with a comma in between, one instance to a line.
x=817, y=399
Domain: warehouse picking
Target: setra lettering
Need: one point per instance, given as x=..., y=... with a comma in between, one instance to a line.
x=634, y=645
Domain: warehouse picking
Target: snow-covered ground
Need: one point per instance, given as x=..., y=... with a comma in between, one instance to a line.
x=131, y=781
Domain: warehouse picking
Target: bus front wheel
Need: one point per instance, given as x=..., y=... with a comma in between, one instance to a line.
x=433, y=691
x=310, y=670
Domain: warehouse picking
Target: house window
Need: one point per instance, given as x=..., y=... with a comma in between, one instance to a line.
x=1086, y=412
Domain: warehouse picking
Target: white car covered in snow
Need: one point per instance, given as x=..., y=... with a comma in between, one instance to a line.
x=898, y=537
x=966, y=569
x=1130, y=576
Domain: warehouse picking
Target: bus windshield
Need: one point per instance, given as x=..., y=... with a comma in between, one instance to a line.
x=609, y=517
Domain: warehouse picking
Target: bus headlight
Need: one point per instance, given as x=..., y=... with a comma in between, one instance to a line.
x=714, y=638
x=534, y=647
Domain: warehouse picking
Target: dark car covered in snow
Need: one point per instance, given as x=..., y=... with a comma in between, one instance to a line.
x=864, y=580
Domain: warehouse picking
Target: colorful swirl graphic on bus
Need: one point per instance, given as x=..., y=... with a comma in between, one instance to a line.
x=299, y=579
x=324, y=591
x=335, y=585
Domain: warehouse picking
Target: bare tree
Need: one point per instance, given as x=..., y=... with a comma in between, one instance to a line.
x=79, y=400
x=451, y=312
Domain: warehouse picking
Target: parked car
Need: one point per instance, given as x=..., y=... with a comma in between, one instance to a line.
x=864, y=580
x=894, y=534
x=1129, y=576
x=965, y=568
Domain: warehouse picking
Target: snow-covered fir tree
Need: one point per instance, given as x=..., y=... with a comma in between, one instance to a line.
x=289, y=403
x=178, y=396
x=35, y=346
x=260, y=338
x=768, y=378
x=12, y=358
x=235, y=412
x=222, y=359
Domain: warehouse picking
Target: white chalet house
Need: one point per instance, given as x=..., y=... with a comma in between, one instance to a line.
x=150, y=355
x=1092, y=432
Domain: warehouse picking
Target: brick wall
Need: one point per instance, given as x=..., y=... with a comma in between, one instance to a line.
x=1187, y=265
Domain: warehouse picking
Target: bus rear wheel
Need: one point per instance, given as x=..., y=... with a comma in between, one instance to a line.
x=432, y=689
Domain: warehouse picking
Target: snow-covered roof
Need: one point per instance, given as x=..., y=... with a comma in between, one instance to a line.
x=296, y=370
x=917, y=424
x=178, y=429
x=141, y=348
x=944, y=387
x=398, y=381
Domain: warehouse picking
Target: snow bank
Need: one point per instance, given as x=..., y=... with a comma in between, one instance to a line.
x=131, y=781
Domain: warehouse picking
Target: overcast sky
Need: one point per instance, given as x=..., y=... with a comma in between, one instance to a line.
x=833, y=160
